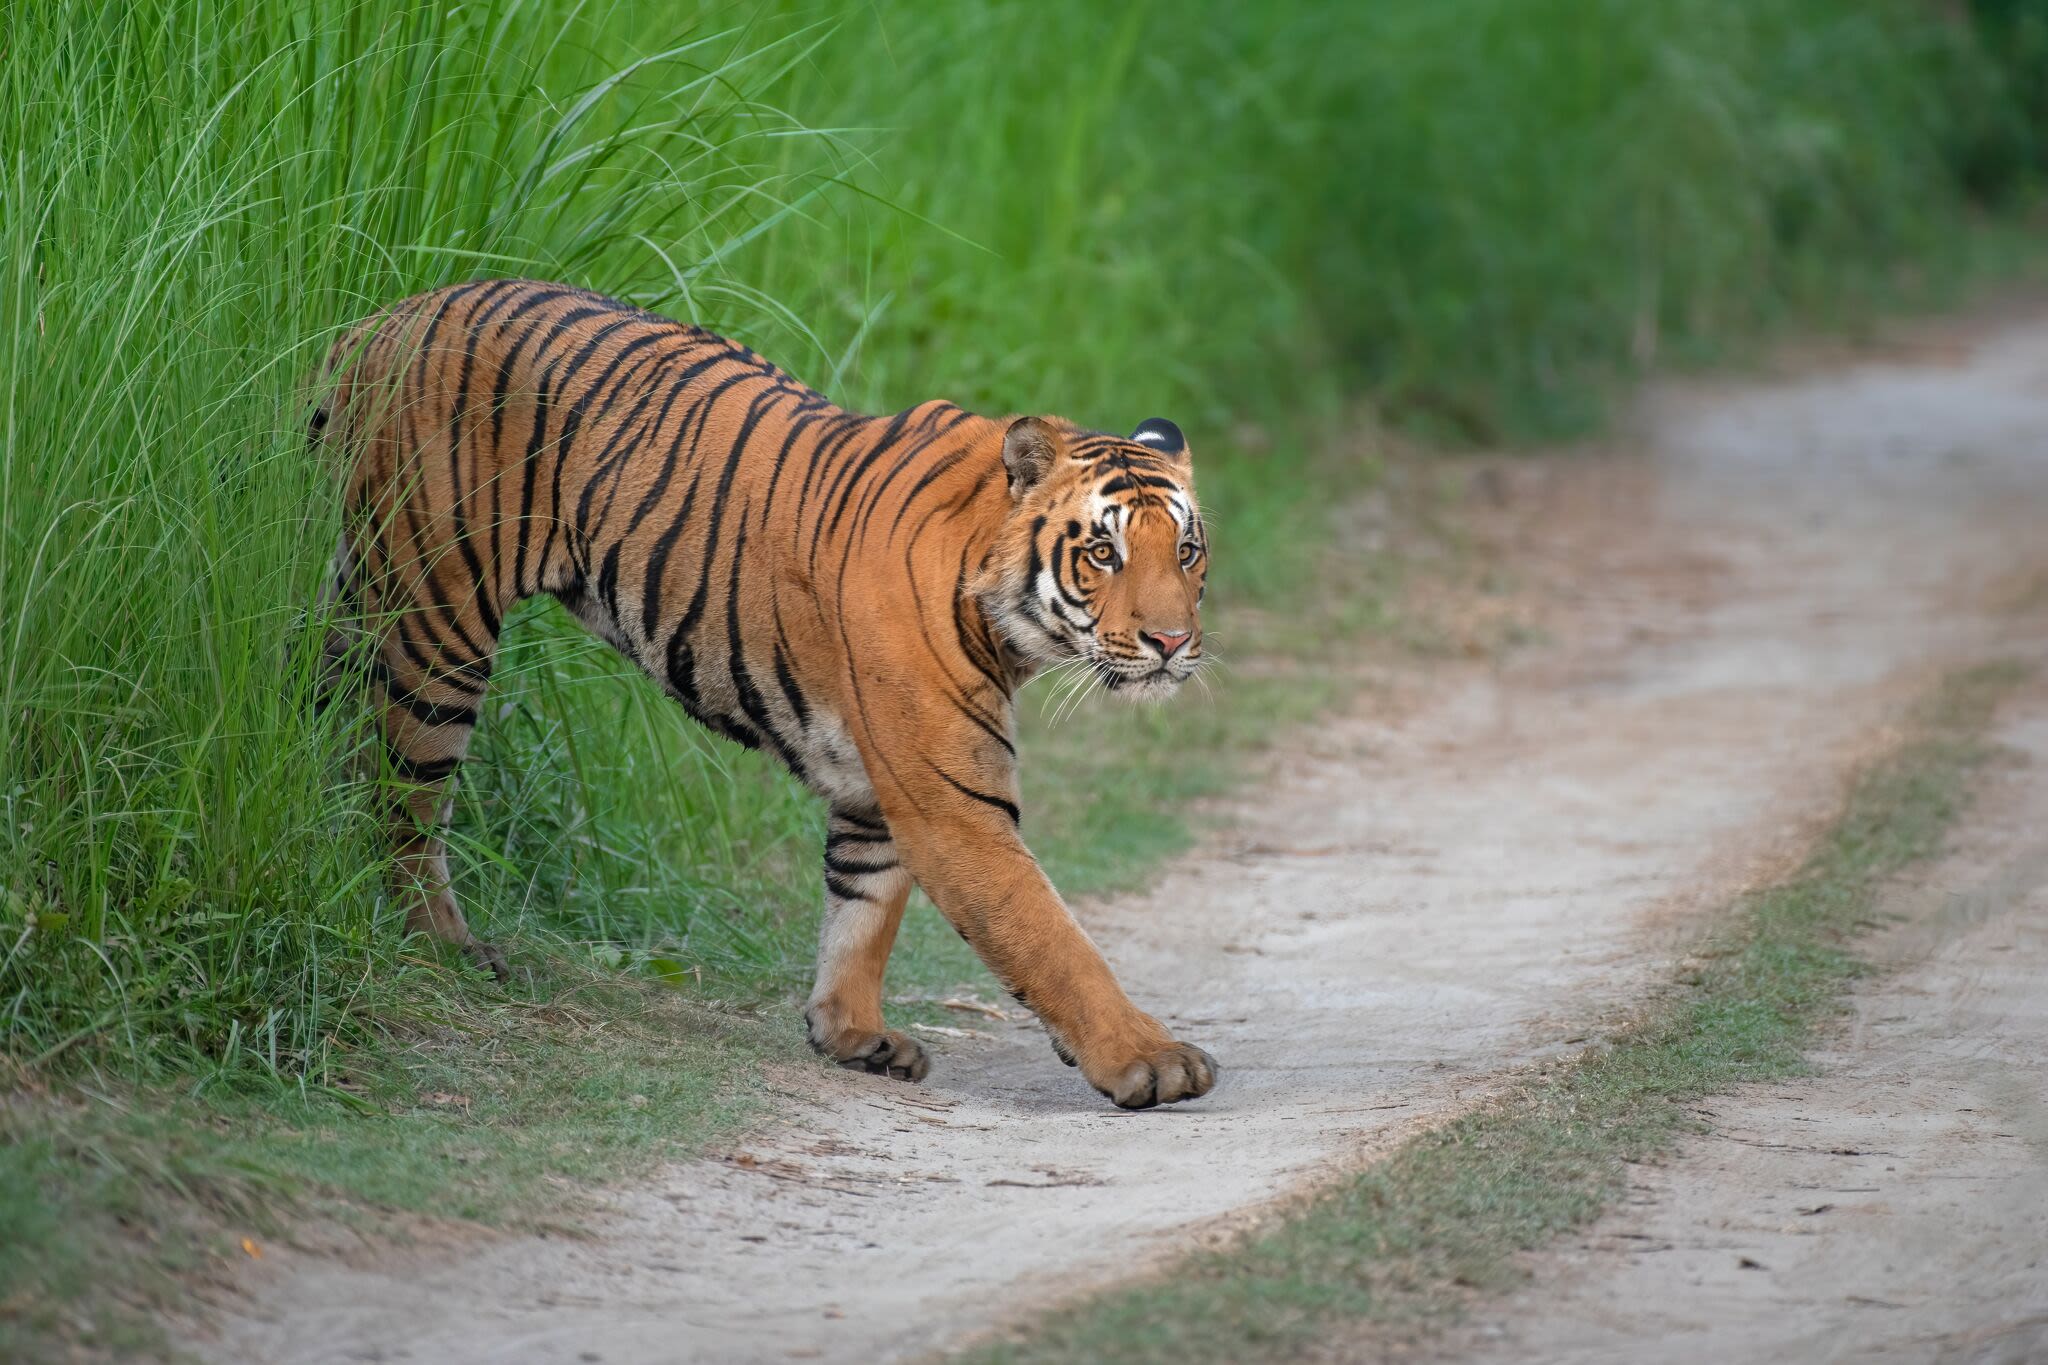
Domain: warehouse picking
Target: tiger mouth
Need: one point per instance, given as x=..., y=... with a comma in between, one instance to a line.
x=1115, y=679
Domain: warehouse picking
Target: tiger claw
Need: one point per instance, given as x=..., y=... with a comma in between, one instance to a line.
x=1175, y=1073
x=488, y=957
x=887, y=1053
x=892, y=1054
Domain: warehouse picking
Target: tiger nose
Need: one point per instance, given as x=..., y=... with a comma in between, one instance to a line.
x=1167, y=641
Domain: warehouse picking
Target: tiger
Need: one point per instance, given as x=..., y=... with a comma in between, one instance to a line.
x=859, y=597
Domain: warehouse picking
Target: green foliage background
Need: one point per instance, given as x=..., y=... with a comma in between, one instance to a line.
x=1472, y=216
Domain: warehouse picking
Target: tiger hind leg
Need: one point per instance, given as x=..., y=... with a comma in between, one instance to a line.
x=420, y=873
x=426, y=676
x=866, y=887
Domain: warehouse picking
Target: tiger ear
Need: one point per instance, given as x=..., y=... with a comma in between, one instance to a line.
x=1029, y=448
x=1162, y=435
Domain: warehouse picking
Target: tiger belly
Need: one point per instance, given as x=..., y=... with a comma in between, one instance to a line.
x=824, y=753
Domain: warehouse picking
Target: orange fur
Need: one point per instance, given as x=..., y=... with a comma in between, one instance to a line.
x=859, y=596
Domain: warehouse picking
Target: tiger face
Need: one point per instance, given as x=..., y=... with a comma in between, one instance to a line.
x=1104, y=558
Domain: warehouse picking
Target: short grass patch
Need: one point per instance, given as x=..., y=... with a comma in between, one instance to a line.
x=499, y=1114
x=1403, y=1244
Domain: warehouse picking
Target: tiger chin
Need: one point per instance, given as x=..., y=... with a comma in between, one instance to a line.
x=861, y=597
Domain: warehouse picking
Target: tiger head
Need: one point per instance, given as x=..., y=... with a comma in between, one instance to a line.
x=1103, y=557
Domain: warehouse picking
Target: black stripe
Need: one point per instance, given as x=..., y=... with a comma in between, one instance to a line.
x=848, y=475
x=656, y=565
x=420, y=708
x=935, y=425
x=851, y=477
x=414, y=453
x=827, y=450
x=474, y=330
x=939, y=469
x=853, y=869
x=467, y=676
x=749, y=696
x=714, y=516
x=859, y=822
x=972, y=635
x=810, y=411
x=500, y=395
x=536, y=439
x=573, y=422
x=1003, y=804
x=786, y=679
x=421, y=770
x=626, y=442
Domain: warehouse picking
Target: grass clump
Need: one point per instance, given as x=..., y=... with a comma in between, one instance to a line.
x=1401, y=1244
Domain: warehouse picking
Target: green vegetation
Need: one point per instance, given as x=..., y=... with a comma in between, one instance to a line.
x=1475, y=215
x=487, y=1116
x=1401, y=1245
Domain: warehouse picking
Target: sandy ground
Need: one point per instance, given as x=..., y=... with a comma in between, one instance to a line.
x=1894, y=1207
x=1469, y=872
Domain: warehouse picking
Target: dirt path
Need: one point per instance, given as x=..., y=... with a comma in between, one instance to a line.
x=1894, y=1207
x=1466, y=874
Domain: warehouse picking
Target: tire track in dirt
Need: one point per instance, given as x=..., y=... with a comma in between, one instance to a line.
x=1469, y=872
x=1894, y=1207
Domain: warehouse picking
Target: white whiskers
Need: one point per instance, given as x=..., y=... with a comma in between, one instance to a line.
x=1086, y=681
x=1058, y=679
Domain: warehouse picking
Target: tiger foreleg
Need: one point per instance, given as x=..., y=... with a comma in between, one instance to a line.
x=983, y=879
x=866, y=887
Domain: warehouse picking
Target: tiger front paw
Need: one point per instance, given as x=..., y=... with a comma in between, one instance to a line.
x=1166, y=1075
x=879, y=1052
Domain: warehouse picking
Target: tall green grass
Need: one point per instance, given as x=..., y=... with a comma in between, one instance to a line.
x=1476, y=214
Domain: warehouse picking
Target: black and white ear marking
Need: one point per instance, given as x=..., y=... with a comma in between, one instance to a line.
x=1029, y=448
x=1162, y=435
